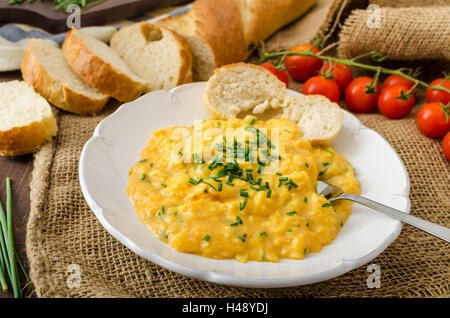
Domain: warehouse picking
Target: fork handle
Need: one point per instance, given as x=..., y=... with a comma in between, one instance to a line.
x=437, y=230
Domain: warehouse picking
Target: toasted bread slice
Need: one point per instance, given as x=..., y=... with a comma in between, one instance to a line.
x=26, y=119
x=157, y=55
x=101, y=67
x=239, y=88
x=45, y=68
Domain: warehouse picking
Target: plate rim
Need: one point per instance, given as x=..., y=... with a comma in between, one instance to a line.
x=343, y=266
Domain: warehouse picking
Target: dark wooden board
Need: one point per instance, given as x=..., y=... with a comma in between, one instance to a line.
x=42, y=14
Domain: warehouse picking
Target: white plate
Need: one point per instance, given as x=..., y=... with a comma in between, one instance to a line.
x=116, y=146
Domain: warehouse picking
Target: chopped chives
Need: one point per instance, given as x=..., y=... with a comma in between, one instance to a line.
x=219, y=187
x=269, y=193
x=325, y=164
x=289, y=230
x=244, y=193
x=143, y=160
x=264, y=233
x=193, y=181
x=234, y=224
x=242, y=205
x=164, y=235
x=283, y=178
x=279, y=174
x=163, y=185
x=238, y=219
x=242, y=238
x=326, y=205
x=304, y=251
x=253, y=121
x=175, y=213
x=207, y=238
x=305, y=199
x=307, y=165
x=143, y=176
x=292, y=213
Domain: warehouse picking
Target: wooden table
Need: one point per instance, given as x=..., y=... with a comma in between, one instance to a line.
x=19, y=170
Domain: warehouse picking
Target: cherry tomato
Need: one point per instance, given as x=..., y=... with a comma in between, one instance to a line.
x=318, y=85
x=446, y=146
x=356, y=97
x=397, y=79
x=342, y=74
x=438, y=95
x=302, y=67
x=393, y=107
x=433, y=119
x=282, y=75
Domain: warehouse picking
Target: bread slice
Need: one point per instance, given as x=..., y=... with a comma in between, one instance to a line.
x=220, y=32
x=46, y=70
x=101, y=67
x=238, y=88
x=158, y=55
x=318, y=119
x=241, y=87
x=26, y=119
x=215, y=33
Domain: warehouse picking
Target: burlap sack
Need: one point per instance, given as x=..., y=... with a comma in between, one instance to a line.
x=63, y=235
x=401, y=33
x=410, y=3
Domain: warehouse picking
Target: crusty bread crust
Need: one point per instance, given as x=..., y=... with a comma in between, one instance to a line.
x=263, y=18
x=26, y=139
x=185, y=74
x=185, y=71
x=98, y=73
x=35, y=74
x=228, y=27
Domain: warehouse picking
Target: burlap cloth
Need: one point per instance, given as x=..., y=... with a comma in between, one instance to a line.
x=62, y=230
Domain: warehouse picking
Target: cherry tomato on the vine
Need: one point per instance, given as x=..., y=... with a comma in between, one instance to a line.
x=282, y=75
x=433, y=119
x=356, y=97
x=342, y=74
x=302, y=67
x=397, y=79
x=446, y=146
x=438, y=95
x=390, y=103
x=319, y=85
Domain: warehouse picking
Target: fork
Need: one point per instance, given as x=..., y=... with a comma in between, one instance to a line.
x=334, y=193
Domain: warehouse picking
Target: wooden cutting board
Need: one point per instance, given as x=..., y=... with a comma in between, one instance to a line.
x=41, y=13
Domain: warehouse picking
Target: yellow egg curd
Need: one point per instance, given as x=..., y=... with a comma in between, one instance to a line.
x=240, y=188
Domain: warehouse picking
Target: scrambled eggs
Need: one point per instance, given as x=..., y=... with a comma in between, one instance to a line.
x=240, y=188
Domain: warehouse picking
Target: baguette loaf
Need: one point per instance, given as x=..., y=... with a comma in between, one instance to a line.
x=26, y=119
x=101, y=66
x=157, y=55
x=220, y=32
x=46, y=70
x=238, y=88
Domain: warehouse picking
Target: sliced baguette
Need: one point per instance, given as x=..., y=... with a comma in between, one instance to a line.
x=26, y=119
x=157, y=55
x=215, y=33
x=46, y=70
x=101, y=67
x=220, y=32
x=318, y=119
x=239, y=88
